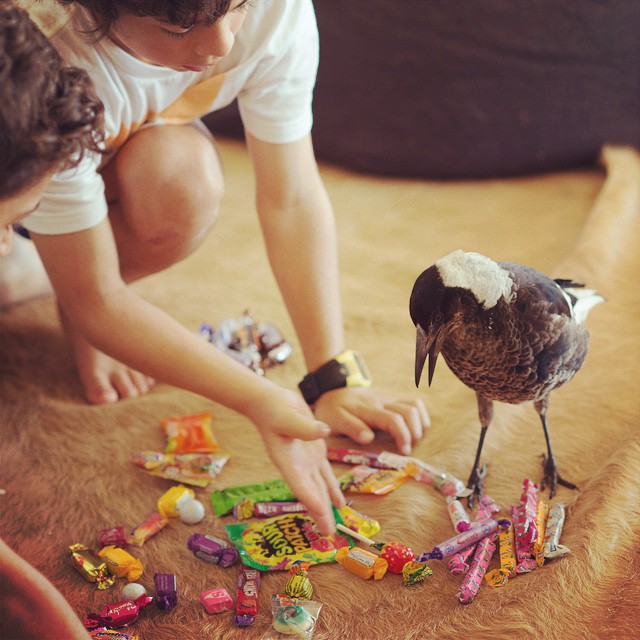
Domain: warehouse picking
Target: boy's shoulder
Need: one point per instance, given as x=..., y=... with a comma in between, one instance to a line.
x=47, y=14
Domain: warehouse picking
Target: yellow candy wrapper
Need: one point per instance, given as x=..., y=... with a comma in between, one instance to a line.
x=541, y=523
x=357, y=521
x=189, y=434
x=500, y=577
x=170, y=501
x=363, y=479
x=121, y=563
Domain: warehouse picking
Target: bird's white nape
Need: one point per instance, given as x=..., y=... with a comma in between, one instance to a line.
x=483, y=277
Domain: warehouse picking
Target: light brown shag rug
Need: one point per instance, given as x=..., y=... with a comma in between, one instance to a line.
x=65, y=466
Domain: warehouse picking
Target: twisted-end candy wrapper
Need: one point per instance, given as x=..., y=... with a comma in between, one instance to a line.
x=414, y=572
x=298, y=585
x=212, y=549
x=120, y=563
x=479, y=565
x=117, y=615
x=90, y=566
x=555, y=522
x=362, y=563
x=499, y=577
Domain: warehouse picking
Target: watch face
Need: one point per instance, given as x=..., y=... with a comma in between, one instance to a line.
x=358, y=375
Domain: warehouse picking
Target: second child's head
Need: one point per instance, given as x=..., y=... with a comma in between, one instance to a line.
x=49, y=116
x=186, y=35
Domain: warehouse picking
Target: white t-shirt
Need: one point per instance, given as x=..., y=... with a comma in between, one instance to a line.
x=271, y=70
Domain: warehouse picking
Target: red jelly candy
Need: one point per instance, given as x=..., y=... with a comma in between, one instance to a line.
x=397, y=555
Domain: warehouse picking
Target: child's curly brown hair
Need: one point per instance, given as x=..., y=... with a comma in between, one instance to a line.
x=184, y=13
x=49, y=113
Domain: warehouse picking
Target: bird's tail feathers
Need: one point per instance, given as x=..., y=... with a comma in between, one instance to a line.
x=583, y=301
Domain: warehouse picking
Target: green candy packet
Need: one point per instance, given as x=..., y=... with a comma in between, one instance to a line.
x=224, y=500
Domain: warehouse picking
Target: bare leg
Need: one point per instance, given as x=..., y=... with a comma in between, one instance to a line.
x=163, y=187
x=22, y=276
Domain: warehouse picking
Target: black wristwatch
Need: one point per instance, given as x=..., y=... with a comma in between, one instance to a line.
x=347, y=369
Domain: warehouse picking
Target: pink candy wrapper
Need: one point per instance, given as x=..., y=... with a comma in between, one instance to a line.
x=525, y=528
x=459, y=517
x=481, y=560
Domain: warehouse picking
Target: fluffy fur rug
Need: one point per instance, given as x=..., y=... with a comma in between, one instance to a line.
x=66, y=473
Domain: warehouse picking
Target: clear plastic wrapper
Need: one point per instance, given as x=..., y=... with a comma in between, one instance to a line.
x=292, y=618
x=552, y=547
x=458, y=514
x=195, y=469
x=363, y=479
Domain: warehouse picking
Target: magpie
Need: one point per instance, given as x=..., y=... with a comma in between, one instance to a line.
x=507, y=331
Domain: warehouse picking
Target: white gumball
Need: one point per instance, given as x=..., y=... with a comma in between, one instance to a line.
x=133, y=590
x=191, y=511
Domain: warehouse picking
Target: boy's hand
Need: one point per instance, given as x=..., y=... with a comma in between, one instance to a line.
x=294, y=441
x=355, y=412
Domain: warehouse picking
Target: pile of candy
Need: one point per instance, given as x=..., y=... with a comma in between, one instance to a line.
x=256, y=345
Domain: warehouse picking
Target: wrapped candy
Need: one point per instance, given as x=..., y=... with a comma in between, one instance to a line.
x=457, y=513
x=216, y=600
x=357, y=521
x=481, y=560
x=555, y=522
x=247, y=508
x=247, y=596
x=166, y=591
x=363, y=479
x=195, y=469
x=212, y=549
x=395, y=553
x=90, y=566
x=541, y=525
x=113, y=535
x=362, y=563
x=525, y=529
x=414, y=572
x=478, y=531
x=120, y=614
x=224, y=500
x=121, y=563
x=294, y=617
x=148, y=528
x=170, y=501
x=189, y=434
x=528, y=564
x=102, y=633
x=298, y=585
x=499, y=577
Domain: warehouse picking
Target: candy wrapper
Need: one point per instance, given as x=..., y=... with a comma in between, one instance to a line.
x=362, y=479
x=481, y=561
x=189, y=434
x=90, y=566
x=552, y=547
x=458, y=514
x=478, y=531
x=541, y=525
x=292, y=618
x=170, y=501
x=195, y=469
x=247, y=596
x=223, y=501
x=395, y=553
x=148, y=528
x=298, y=585
x=116, y=536
x=527, y=564
x=247, y=508
x=216, y=600
x=212, y=549
x=414, y=572
x=444, y=482
x=120, y=563
x=357, y=521
x=120, y=614
x=362, y=563
x=166, y=591
x=525, y=529
x=275, y=544
x=258, y=346
x=500, y=577
x=102, y=633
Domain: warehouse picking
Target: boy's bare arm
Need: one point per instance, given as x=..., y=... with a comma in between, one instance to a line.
x=83, y=268
x=299, y=229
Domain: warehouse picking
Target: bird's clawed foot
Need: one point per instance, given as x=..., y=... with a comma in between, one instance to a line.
x=476, y=483
x=552, y=478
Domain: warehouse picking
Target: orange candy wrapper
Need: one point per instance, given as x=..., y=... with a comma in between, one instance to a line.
x=362, y=563
x=189, y=434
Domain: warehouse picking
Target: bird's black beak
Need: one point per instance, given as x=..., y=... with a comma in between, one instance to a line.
x=427, y=345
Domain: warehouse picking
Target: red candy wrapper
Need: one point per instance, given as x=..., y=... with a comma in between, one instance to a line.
x=102, y=633
x=117, y=615
x=115, y=536
x=247, y=598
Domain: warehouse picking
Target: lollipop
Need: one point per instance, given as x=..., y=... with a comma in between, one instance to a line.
x=395, y=553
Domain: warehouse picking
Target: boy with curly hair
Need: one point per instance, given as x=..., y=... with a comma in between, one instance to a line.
x=49, y=118
x=158, y=66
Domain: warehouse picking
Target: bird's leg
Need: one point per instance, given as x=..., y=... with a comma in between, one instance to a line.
x=551, y=474
x=478, y=473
